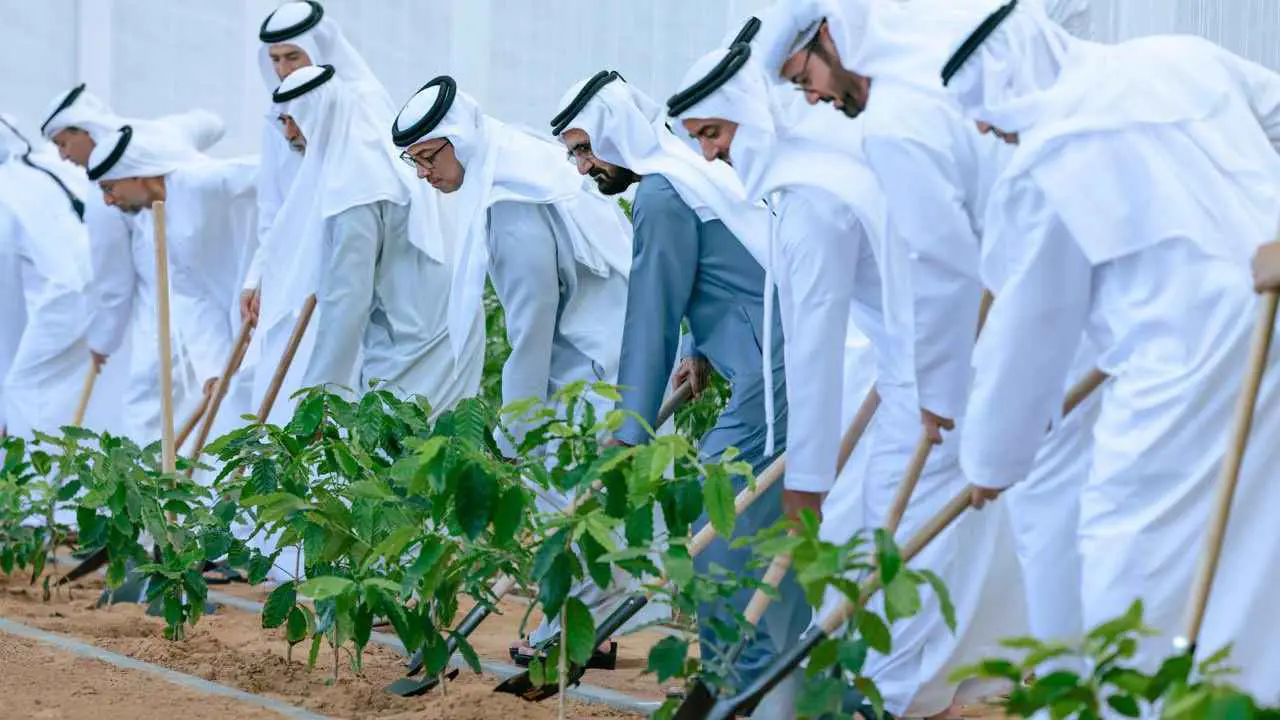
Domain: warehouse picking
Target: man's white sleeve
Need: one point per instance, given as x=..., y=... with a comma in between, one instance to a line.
x=1029, y=343
x=925, y=198
x=819, y=260
x=114, y=277
x=200, y=128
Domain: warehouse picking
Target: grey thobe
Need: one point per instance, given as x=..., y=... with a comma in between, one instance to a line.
x=683, y=268
x=381, y=311
x=534, y=274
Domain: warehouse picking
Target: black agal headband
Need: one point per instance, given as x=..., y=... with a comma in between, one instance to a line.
x=561, y=121
x=117, y=152
x=67, y=102
x=748, y=31
x=326, y=74
x=77, y=205
x=271, y=37
x=404, y=137
x=975, y=40
x=728, y=66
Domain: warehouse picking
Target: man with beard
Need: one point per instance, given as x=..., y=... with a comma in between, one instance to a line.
x=44, y=276
x=557, y=253
x=698, y=250
x=122, y=291
x=935, y=170
x=210, y=209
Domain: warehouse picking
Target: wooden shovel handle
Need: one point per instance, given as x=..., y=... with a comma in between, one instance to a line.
x=777, y=570
x=760, y=600
x=190, y=423
x=85, y=393
x=954, y=508
x=282, y=368
x=223, y=385
x=678, y=397
x=1230, y=473
x=907, y=487
x=169, y=450
x=861, y=421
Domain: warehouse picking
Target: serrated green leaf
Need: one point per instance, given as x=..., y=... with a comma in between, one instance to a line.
x=941, y=592
x=372, y=490
x=667, y=658
x=473, y=500
x=823, y=656
x=296, y=626
x=1124, y=704
x=325, y=586
x=215, y=542
x=468, y=653
x=278, y=605
x=901, y=598
x=383, y=584
x=875, y=632
x=852, y=655
x=394, y=545
x=553, y=587
x=718, y=499
x=580, y=631
x=888, y=557
x=508, y=515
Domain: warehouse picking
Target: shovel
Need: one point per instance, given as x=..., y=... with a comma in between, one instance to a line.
x=523, y=686
x=831, y=623
x=1230, y=473
x=85, y=393
x=408, y=686
x=703, y=705
x=700, y=696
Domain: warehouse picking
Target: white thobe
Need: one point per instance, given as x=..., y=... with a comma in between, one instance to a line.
x=43, y=354
x=1174, y=324
x=826, y=276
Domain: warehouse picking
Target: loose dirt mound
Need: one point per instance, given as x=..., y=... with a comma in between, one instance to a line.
x=231, y=648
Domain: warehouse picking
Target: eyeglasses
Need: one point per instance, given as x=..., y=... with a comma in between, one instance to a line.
x=426, y=162
x=581, y=152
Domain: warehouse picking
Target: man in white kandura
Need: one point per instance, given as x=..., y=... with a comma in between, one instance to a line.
x=123, y=285
x=44, y=276
x=935, y=170
x=358, y=230
x=295, y=35
x=210, y=209
x=1160, y=280
x=558, y=255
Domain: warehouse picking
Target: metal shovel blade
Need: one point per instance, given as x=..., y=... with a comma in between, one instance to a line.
x=698, y=701
x=522, y=684
x=413, y=687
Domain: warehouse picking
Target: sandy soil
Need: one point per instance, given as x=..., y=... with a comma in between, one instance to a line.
x=45, y=684
x=232, y=649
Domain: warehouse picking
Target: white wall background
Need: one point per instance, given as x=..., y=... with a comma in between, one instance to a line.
x=150, y=57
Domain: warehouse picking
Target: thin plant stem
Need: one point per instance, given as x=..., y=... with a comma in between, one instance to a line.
x=564, y=662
